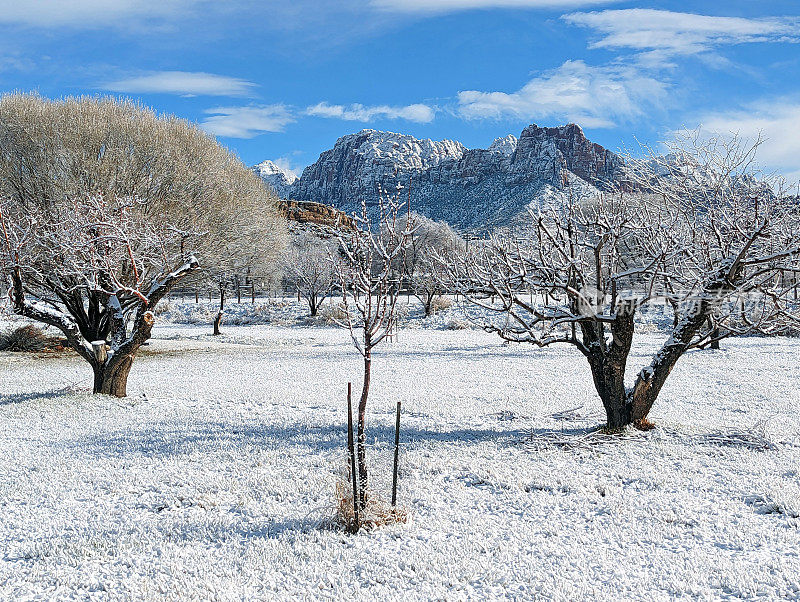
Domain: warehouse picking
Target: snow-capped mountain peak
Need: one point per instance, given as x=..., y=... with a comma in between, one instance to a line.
x=278, y=178
x=505, y=145
x=402, y=150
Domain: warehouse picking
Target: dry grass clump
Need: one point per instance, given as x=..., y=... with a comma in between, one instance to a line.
x=29, y=338
x=756, y=437
x=440, y=303
x=378, y=513
x=332, y=313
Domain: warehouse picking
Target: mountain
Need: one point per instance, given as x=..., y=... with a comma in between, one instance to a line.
x=279, y=179
x=472, y=189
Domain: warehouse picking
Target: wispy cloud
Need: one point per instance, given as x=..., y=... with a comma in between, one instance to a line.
x=645, y=29
x=15, y=62
x=246, y=122
x=777, y=120
x=182, y=82
x=88, y=13
x=419, y=113
x=591, y=96
x=448, y=6
x=252, y=120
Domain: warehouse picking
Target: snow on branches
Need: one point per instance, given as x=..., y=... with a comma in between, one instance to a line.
x=371, y=275
x=372, y=272
x=105, y=207
x=698, y=229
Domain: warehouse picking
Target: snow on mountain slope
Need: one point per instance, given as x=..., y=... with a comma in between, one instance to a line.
x=473, y=189
x=506, y=145
x=279, y=179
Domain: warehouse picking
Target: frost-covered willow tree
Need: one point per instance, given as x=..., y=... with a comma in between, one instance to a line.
x=105, y=207
x=423, y=271
x=704, y=234
x=370, y=282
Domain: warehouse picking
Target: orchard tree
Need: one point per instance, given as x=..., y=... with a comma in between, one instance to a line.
x=310, y=266
x=244, y=259
x=704, y=232
x=370, y=284
x=105, y=206
x=423, y=271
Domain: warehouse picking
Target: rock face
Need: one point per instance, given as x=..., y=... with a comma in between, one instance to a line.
x=307, y=212
x=472, y=189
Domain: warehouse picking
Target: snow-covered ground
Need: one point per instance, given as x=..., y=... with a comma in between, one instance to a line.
x=214, y=479
x=287, y=311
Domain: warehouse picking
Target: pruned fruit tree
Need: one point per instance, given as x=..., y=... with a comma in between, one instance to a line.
x=698, y=230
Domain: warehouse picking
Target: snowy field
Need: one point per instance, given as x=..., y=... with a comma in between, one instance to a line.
x=214, y=479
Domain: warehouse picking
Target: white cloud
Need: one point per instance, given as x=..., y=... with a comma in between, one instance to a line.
x=590, y=96
x=288, y=165
x=778, y=121
x=182, y=82
x=419, y=113
x=87, y=13
x=246, y=122
x=252, y=120
x=447, y=6
x=680, y=33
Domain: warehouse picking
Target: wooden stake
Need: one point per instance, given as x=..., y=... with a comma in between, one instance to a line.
x=396, y=454
x=351, y=448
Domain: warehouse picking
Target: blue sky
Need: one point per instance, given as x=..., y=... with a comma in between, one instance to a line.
x=282, y=79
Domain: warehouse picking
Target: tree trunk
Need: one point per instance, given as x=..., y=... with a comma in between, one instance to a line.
x=608, y=361
x=609, y=380
x=650, y=380
x=361, y=451
x=313, y=306
x=428, y=306
x=112, y=378
x=218, y=318
x=715, y=339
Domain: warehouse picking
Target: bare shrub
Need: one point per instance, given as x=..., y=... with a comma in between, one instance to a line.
x=310, y=266
x=424, y=274
x=457, y=324
x=27, y=338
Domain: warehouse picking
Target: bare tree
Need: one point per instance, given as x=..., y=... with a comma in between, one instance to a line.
x=705, y=233
x=310, y=266
x=245, y=260
x=430, y=240
x=104, y=207
x=370, y=283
